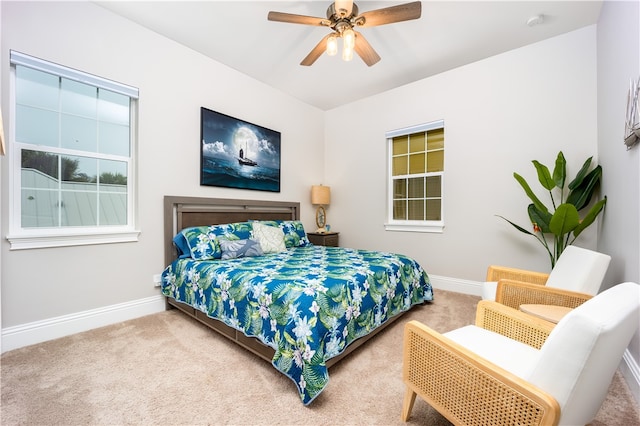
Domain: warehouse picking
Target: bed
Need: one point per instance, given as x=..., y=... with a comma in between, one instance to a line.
x=246, y=269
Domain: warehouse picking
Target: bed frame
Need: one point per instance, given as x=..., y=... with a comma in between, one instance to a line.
x=183, y=212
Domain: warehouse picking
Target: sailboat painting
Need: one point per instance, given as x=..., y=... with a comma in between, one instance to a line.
x=238, y=154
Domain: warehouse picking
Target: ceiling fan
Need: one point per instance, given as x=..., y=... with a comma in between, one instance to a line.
x=342, y=17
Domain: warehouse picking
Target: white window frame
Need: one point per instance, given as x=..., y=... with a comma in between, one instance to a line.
x=432, y=226
x=29, y=238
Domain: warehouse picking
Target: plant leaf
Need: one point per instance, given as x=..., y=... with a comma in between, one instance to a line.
x=544, y=176
x=590, y=217
x=518, y=227
x=560, y=171
x=564, y=220
x=581, y=195
x=530, y=193
x=581, y=174
x=540, y=218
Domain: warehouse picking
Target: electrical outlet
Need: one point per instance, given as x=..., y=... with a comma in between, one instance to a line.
x=156, y=280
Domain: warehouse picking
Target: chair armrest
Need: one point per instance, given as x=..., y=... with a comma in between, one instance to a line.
x=515, y=293
x=513, y=323
x=466, y=388
x=496, y=273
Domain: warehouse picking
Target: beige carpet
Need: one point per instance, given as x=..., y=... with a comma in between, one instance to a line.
x=166, y=369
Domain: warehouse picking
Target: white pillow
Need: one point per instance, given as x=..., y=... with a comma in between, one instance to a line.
x=271, y=239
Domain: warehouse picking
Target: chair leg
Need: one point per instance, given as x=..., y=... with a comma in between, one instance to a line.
x=407, y=405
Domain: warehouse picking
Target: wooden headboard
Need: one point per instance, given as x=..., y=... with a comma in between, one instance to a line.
x=184, y=212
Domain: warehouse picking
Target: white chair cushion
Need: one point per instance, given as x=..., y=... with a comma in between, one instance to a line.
x=489, y=289
x=579, y=269
x=515, y=357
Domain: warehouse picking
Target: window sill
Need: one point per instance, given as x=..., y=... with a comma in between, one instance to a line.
x=25, y=242
x=422, y=227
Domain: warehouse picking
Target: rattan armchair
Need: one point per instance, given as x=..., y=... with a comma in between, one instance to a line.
x=511, y=368
x=576, y=277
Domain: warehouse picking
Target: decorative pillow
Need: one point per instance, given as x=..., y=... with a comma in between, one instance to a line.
x=181, y=246
x=232, y=249
x=294, y=234
x=271, y=238
x=201, y=242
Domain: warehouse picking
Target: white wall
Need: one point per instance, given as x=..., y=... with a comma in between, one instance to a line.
x=618, y=63
x=500, y=114
x=174, y=83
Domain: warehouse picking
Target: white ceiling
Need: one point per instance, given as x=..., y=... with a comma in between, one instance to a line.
x=449, y=34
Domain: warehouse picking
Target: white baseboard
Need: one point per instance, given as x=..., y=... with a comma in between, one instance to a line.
x=456, y=285
x=53, y=328
x=631, y=372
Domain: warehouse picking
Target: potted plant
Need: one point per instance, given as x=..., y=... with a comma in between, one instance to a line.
x=559, y=226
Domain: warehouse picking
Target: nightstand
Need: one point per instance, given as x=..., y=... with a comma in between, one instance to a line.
x=324, y=238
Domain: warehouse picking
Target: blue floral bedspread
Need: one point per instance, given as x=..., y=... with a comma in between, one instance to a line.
x=307, y=303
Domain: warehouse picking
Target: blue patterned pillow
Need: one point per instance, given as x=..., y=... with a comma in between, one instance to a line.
x=199, y=243
x=294, y=234
x=232, y=249
x=202, y=242
x=181, y=245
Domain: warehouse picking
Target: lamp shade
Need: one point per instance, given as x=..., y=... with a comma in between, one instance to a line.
x=321, y=195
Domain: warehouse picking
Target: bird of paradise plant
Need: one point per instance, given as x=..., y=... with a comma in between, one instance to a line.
x=563, y=223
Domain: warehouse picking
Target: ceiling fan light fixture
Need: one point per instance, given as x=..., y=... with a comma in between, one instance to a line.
x=347, y=54
x=332, y=45
x=349, y=39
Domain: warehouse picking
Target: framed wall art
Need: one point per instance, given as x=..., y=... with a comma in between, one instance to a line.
x=238, y=154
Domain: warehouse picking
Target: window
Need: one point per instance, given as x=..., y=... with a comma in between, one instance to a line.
x=416, y=173
x=72, y=162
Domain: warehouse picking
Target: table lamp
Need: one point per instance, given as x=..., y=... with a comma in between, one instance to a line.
x=321, y=196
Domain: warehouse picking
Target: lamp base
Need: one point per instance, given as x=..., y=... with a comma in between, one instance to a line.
x=321, y=217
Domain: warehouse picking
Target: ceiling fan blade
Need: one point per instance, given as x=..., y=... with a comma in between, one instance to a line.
x=298, y=19
x=365, y=51
x=389, y=15
x=316, y=52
